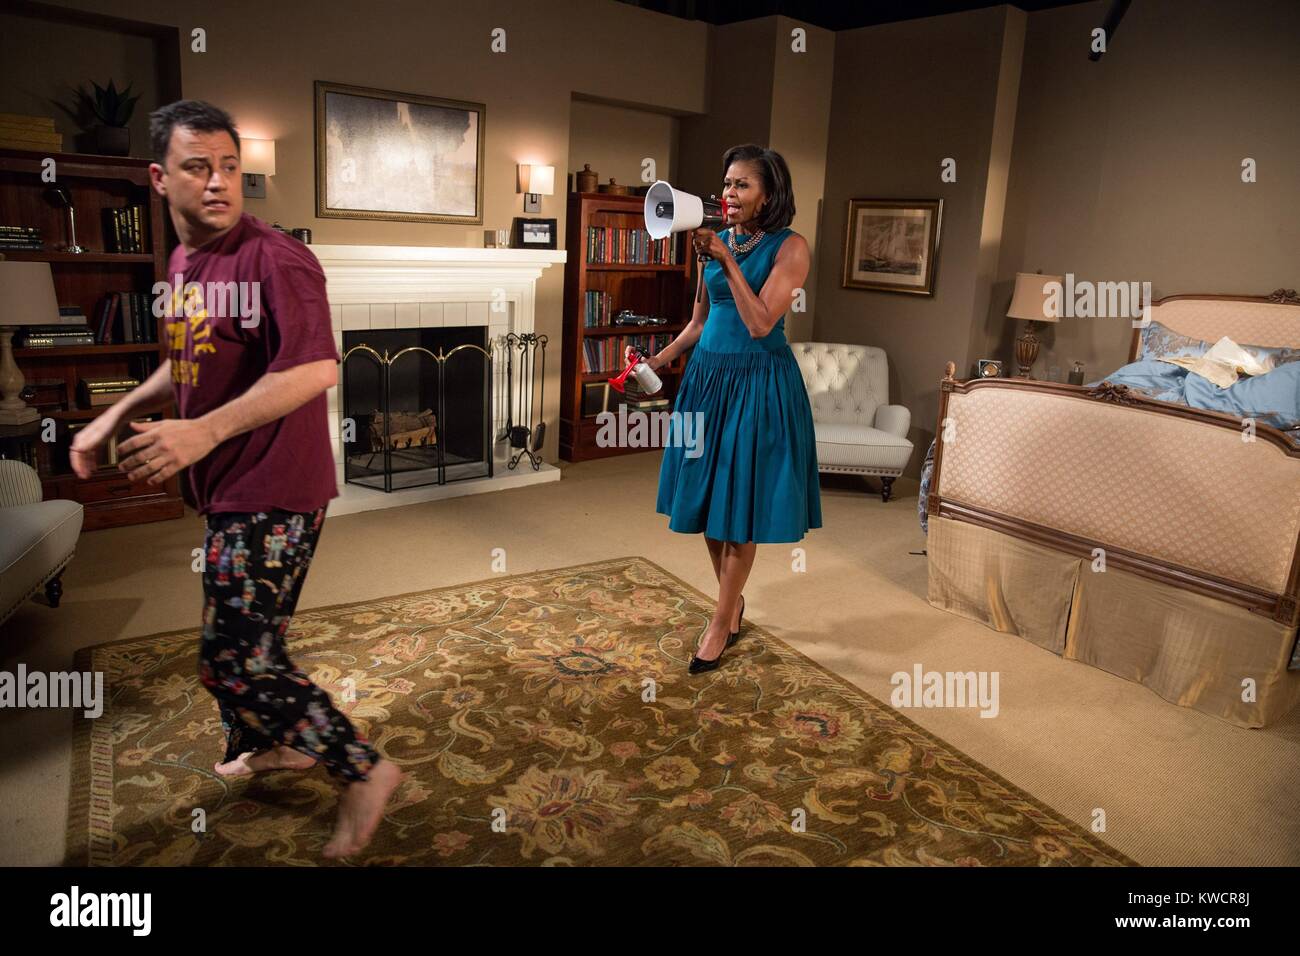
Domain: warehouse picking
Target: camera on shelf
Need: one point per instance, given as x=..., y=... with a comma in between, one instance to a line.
x=628, y=317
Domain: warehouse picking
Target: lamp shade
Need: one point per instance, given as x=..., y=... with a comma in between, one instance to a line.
x=257, y=156
x=27, y=294
x=538, y=180
x=1029, y=301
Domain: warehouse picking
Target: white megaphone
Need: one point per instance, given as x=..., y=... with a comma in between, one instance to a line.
x=669, y=211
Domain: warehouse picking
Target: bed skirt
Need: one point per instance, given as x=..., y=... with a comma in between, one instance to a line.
x=1191, y=649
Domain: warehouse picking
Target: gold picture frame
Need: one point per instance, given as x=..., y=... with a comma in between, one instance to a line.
x=892, y=245
x=359, y=128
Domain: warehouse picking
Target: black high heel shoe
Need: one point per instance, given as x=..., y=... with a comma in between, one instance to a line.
x=699, y=665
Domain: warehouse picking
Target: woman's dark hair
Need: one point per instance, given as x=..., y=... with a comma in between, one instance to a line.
x=778, y=210
x=192, y=114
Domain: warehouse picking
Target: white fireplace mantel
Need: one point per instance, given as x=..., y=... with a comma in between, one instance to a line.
x=370, y=274
x=388, y=287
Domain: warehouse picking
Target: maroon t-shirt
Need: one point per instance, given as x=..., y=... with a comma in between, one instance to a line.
x=253, y=302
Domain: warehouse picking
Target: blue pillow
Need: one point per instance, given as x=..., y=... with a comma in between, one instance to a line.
x=1271, y=399
x=1159, y=341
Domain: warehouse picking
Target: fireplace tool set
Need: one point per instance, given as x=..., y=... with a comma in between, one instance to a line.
x=524, y=425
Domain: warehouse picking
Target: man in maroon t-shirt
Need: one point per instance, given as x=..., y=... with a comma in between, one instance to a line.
x=251, y=356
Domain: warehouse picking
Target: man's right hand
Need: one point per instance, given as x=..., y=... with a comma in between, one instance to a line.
x=83, y=452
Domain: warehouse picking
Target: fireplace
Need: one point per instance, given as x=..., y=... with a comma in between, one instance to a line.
x=417, y=288
x=416, y=406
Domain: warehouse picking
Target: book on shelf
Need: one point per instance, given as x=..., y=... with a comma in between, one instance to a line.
x=57, y=340
x=29, y=132
x=125, y=318
x=94, y=392
x=602, y=355
x=598, y=309
x=143, y=364
x=124, y=229
x=610, y=244
x=18, y=238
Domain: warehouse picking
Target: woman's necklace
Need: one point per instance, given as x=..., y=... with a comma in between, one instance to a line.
x=744, y=247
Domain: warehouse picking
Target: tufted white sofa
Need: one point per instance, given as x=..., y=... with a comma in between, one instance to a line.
x=858, y=431
x=37, y=538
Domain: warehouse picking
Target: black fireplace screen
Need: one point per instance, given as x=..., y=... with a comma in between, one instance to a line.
x=416, y=406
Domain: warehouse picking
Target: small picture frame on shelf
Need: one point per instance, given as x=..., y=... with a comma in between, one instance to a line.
x=534, y=233
x=989, y=368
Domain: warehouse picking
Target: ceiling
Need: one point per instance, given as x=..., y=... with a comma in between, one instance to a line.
x=831, y=16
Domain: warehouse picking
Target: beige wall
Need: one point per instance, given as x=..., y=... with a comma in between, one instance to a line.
x=762, y=91
x=262, y=59
x=906, y=96
x=614, y=140
x=738, y=107
x=1130, y=168
x=800, y=131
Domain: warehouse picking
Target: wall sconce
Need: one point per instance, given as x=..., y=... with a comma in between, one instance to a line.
x=536, y=182
x=257, y=159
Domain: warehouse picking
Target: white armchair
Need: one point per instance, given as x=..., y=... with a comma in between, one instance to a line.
x=858, y=432
x=37, y=538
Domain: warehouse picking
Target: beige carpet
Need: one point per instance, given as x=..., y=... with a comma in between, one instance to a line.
x=1175, y=786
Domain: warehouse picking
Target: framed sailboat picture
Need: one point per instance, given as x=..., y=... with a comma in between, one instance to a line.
x=892, y=245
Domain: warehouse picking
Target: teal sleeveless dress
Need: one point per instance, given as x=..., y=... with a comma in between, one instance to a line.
x=749, y=472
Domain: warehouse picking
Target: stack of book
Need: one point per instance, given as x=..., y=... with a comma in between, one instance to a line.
x=124, y=229
x=20, y=237
x=57, y=336
x=29, y=132
x=104, y=391
x=125, y=318
x=637, y=400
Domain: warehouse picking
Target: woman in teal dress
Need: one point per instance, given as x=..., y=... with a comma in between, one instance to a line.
x=749, y=475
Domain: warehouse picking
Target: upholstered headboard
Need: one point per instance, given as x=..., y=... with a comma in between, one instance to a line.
x=1271, y=320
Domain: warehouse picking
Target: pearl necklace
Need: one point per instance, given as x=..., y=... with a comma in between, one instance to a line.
x=748, y=244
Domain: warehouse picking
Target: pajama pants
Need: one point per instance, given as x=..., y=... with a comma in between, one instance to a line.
x=254, y=568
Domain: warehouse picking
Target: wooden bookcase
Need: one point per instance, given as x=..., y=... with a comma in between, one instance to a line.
x=83, y=279
x=660, y=290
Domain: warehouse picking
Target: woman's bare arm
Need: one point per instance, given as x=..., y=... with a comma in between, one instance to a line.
x=686, y=338
x=761, y=312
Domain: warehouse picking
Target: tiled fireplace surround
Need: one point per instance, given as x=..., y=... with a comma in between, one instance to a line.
x=397, y=287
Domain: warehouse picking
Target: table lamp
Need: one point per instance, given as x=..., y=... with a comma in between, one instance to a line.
x=26, y=298
x=1029, y=302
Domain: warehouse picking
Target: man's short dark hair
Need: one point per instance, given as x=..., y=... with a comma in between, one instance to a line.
x=778, y=210
x=192, y=114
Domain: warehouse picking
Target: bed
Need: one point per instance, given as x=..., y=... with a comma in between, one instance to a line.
x=1154, y=540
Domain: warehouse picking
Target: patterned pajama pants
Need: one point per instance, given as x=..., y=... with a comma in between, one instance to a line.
x=254, y=568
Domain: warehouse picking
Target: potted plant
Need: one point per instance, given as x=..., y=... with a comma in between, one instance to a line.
x=112, y=108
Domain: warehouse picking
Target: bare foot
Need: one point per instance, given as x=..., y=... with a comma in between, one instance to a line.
x=277, y=758
x=360, y=809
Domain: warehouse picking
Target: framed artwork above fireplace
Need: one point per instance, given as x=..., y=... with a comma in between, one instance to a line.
x=401, y=156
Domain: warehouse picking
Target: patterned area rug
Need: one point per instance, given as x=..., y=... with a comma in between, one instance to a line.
x=548, y=719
